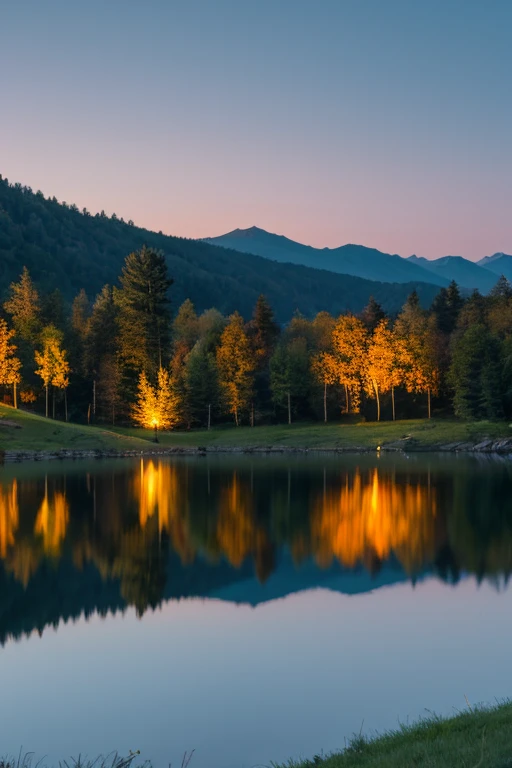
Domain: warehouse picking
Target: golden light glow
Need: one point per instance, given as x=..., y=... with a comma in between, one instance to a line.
x=9, y=517
x=51, y=522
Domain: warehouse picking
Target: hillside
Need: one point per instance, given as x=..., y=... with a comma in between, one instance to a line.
x=68, y=249
x=355, y=260
x=466, y=273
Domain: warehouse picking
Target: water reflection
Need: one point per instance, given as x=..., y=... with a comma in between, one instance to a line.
x=137, y=534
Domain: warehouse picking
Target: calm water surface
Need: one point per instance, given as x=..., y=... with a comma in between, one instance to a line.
x=252, y=609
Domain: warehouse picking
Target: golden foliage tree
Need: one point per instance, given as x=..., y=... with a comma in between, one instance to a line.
x=157, y=407
x=384, y=372
x=10, y=365
x=350, y=350
x=235, y=364
x=24, y=307
x=418, y=347
x=52, y=361
x=323, y=367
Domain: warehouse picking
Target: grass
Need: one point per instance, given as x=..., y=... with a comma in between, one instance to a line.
x=35, y=433
x=478, y=738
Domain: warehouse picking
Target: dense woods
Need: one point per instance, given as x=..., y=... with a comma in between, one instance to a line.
x=71, y=249
x=125, y=358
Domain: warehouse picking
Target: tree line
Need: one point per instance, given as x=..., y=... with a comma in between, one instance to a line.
x=124, y=358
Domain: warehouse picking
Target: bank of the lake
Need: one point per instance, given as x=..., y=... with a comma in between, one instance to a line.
x=24, y=435
x=473, y=739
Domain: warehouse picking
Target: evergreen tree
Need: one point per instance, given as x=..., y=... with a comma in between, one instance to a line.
x=202, y=390
x=24, y=307
x=446, y=307
x=263, y=331
x=144, y=310
x=372, y=314
x=475, y=374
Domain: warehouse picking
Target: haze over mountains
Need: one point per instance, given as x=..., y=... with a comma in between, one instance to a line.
x=369, y=263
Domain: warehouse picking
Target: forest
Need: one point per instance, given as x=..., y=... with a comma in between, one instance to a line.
x=68, y=248
x=124, y=358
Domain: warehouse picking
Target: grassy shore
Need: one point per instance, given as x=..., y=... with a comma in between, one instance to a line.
x=22, y=431
x=477, y=738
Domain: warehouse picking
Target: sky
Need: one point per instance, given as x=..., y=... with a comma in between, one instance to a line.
x=329, y=121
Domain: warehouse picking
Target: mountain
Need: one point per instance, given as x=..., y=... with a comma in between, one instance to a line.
x=68, y=249
x=355, y=260
x=499, y=263
x=466, y=273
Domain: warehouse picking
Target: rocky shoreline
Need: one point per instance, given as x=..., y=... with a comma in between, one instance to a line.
x=500, y=446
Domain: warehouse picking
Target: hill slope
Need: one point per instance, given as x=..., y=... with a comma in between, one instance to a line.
x=65, y=248
x=466, y=273
x=355, y=260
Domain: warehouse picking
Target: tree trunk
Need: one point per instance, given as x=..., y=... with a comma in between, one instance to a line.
x=252, y=413
x=113, y=415
x=89, y=414
x=289, y=409
x=236, y=416
x=15, y=394
x=325, y=402
x=393, y=401
x=209, y=415
x=376, y=388
x=66, y=403
x=94, y=400
x=47, y=401
x=53, y=403
x=346, y=399
x=428, y=401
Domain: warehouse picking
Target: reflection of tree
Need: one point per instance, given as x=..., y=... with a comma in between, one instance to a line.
x=369, y=518
x=52, y=520
x=141, y=568
x=9, y=517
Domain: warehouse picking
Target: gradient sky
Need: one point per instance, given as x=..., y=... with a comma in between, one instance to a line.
x=331, y=121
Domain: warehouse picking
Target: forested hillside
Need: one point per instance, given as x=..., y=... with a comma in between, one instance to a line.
x=69, y=249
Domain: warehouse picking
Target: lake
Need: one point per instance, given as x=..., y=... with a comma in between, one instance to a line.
x=250, y=608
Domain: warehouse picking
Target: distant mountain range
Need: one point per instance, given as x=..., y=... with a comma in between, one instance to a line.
x=369, y=263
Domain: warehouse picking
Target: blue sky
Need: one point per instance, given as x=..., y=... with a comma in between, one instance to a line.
x=383, y=123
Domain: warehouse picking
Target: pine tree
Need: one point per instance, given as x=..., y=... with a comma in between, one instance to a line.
x=263, y=331
x=10, y=365
x=144, y=317
x=235, y=363
x=372, y=314
x=25, y=308
x=475, y=374
x=202, y=384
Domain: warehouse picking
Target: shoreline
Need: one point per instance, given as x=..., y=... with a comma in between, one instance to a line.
x=498, y=447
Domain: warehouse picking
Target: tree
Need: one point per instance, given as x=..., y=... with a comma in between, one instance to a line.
x=323, y=368
x=289, y=373
x=144, y=310
x=263, y=331
x=101, y=355
x=157, y=407
x=383, y=365
x=24, y=307
x=350, y=350
x=10, y=365
x=201, y=384
x=447, y=306
x=418, y=344
x=53, y=366
x=185, y=328
x=235, y=363
x=475, y=374
x=372, y=314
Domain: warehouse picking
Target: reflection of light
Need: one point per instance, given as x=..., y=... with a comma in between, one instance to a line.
x=374, y=515
x=9, y=515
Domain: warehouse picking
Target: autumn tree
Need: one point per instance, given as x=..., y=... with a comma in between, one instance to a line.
x=157, y=407
x=383, y=369
x=324, y=370
x=52, y=361
x=235, y=364
x=144, y=317
x=10, y=365
x=350, y=351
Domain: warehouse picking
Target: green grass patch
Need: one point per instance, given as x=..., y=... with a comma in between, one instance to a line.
x=478, y=738
x=22, y=431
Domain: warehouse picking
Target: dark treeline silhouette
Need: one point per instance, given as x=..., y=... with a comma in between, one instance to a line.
x=138, y=534
x=124, y=357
